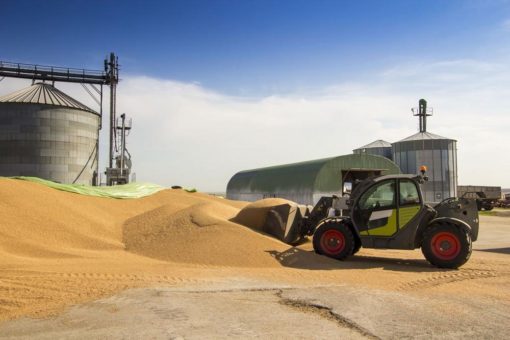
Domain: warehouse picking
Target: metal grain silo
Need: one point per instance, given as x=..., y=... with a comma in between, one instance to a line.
x=46, y=133
x=438, y=153
x=378, y=148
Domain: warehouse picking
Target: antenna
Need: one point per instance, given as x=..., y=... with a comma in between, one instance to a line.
x=422, y=112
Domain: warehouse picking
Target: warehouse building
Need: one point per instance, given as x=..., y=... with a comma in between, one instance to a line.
x=307, y=182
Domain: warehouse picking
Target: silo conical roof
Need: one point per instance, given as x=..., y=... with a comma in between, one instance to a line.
x=46, y=94
x=376, y=144
x=423, y=136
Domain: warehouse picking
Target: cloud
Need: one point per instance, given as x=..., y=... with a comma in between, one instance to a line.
x=186, y=134
x=197, y=137
x=201, y=137
x=443, y=72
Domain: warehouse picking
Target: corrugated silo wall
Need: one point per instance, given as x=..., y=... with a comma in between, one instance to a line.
x=50, y=142
x=440, y=157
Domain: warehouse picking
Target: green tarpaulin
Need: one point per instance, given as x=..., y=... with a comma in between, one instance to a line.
x=131, y=190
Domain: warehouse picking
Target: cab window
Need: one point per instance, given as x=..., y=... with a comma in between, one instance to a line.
x=379, y=196
x=408, y=193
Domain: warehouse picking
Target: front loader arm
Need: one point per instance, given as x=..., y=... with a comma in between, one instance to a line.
x=318, y=213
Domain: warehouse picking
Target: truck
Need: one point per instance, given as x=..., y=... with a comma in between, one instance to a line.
x=482, y=202
x=486, y=197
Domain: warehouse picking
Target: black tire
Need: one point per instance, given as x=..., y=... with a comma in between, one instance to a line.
x=446, y=246
x=489, y=207
x=357, y=245
x=334, y=239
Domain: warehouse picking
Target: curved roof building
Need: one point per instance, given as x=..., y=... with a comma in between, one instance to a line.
x=307, y=182
x=46, y=133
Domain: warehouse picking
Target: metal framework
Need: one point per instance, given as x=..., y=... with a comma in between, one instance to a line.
x=53, y=73
x=422, y=112
x=108, y=77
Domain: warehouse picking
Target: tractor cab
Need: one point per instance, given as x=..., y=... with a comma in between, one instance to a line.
x=386, y=205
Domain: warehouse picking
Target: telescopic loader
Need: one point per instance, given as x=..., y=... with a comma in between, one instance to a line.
x=382, y=212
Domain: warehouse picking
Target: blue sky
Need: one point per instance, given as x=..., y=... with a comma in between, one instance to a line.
x=252, y=47
x=215, y=87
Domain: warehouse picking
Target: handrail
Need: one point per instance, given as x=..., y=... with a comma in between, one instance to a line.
x=42, y=72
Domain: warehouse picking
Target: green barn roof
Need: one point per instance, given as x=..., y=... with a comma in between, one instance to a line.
x=306, y=178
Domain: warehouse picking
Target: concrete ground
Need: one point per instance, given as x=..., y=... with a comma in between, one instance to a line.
x=472, y=302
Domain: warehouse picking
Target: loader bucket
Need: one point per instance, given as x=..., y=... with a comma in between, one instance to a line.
x=284, y=221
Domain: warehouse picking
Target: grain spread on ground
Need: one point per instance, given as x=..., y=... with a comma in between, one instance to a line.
x=58, y=249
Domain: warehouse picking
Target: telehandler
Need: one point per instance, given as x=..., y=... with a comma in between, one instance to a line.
x=385, y=212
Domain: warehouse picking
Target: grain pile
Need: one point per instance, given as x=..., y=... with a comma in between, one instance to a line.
x=199, y=234
x=39, y=222
x=52, y=241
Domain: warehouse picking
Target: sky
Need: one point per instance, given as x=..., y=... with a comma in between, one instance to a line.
x=215, y=87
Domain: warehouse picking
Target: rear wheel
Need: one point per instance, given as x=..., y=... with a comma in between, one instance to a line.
x=334, y=239
x=446, y=246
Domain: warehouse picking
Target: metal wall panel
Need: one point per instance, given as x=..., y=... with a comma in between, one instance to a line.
x=440, y=157
x=50, y=142
x=303, y=182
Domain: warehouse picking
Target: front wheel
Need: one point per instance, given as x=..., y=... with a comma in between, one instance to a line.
x=446, y=246
x=357, y=246
x=334, y=239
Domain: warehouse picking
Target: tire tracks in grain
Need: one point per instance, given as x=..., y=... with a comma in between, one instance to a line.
x=450, y=276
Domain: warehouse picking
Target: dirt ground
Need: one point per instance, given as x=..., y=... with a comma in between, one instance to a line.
x=83, y=267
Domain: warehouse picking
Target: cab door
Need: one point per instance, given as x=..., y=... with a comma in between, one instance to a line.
x=410, y=201
x=375, y=213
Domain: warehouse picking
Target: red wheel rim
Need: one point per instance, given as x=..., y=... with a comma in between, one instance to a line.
x=332, y=242
x=445, y=245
